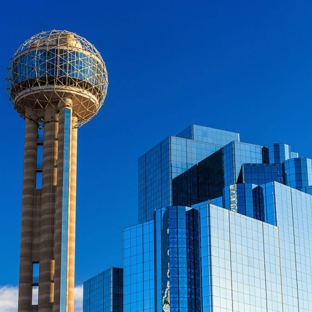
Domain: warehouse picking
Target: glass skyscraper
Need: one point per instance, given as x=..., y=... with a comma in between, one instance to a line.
x=223, y=226
x=104, y=292
x=172, y=157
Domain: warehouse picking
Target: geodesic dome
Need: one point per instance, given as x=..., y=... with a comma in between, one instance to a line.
x=53, y=65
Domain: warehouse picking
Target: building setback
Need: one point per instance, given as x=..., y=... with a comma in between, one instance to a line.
x=224, y=226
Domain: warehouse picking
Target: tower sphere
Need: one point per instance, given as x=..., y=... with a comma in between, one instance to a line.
x=54, y=65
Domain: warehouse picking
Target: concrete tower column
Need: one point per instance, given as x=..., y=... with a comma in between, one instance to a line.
x=47, y=211
x=28, y=204
x=63, y=211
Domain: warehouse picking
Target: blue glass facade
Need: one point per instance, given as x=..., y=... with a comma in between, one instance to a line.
x=298, y=172
x=256, y=266
x=139, y=278
x=261, y=173
x=169, y=246
x=225, y=227
x=104, y=292
x=210, y=258
x=169, y=159
x=278, y=153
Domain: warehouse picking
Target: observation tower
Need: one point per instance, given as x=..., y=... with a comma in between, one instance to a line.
x=57, y=81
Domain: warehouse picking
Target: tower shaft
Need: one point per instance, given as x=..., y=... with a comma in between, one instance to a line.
x=49, y=211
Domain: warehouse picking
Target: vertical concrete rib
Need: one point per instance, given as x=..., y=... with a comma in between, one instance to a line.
x=58, y=213
x=52, y=278
x=72, y=215
x=29, y=186
x=47, y=211
x=62, y=209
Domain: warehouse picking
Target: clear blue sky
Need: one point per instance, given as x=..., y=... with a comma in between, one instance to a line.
x=234, y=65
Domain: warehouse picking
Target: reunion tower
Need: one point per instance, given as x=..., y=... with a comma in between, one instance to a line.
x=57, y=81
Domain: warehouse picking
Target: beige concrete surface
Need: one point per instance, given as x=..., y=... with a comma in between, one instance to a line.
x=42, y=209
